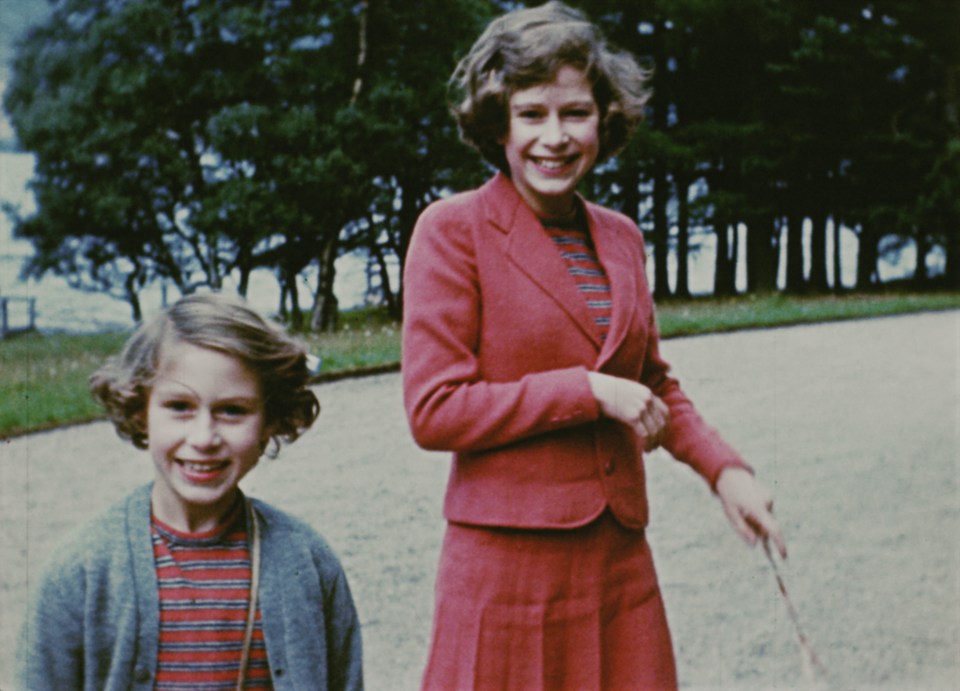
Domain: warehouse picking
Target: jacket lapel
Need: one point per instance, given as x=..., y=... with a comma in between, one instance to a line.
x=618, y=256
x=532, y=251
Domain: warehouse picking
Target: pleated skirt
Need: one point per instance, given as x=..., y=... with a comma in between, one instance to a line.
x=548, y=609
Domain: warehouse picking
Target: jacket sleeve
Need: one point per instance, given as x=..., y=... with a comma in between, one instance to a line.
x=689, y=439
x=50, y=648
x=450, y=404
x=344, y=646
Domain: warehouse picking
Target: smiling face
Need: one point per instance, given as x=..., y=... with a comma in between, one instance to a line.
x=206, y=429
x=553, y=140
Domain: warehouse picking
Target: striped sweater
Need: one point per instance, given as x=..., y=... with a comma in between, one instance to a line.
x=572, y=239
x=204, y=586
x=93, y=618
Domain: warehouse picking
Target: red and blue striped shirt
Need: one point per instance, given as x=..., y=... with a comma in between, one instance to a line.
x=572, y=239
x=204, y=582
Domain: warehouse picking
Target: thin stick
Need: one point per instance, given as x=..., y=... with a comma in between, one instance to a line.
x=811, y=663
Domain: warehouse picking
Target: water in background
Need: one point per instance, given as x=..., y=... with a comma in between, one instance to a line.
x=60, y=307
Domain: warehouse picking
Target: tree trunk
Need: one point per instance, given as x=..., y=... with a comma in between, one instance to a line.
x=837, y=259
x=243, y=286
x=413, y=197
x=920, y=277
x=214, y=270
x=683, y=181
x=290, y=295
x=661, y=189
x=386, y=290
x=952, y=268
x=761, y=259
x=661, y=230
x=818, y=253
x=795, y=279
x=133, y=298
x=325, y=313
x=867, y=259
x=724, y=276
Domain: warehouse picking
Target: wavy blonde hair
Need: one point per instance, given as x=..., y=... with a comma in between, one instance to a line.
x=527, y=47
x=218, y=322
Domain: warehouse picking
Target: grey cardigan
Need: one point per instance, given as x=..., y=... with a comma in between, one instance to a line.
x=93, y=617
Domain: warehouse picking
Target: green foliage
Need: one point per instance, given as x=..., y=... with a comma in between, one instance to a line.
x=800, y=109
x=43, y=378
x=766, y=310
x=188, y=141
x=358, y=345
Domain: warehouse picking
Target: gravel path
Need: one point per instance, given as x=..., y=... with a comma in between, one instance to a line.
x=855, y=425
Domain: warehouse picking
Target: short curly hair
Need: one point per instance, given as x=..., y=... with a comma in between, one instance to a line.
x=527, y=47
x=218, y=322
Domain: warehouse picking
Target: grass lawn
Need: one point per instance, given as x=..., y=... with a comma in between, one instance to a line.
x=43, y=376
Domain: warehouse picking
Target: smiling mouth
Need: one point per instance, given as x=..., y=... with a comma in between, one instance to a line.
x=554, y=163
x=205, y=467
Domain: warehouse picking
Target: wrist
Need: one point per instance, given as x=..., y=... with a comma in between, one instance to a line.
x=598, y=387
x=730, y=473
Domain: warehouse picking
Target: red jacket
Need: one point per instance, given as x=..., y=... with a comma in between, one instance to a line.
x=497, y=342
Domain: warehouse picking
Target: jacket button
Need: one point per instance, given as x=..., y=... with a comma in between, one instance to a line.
x=142, y=675
x=609, y=467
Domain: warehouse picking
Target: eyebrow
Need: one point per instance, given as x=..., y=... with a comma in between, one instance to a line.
x=161, y=382
x=534, y=103
x=178, y=390
x=251, y=400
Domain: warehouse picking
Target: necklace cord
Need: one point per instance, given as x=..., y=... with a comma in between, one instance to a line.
x=254, y=528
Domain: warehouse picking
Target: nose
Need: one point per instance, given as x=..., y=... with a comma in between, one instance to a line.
x=202, y=433
x=554, y=133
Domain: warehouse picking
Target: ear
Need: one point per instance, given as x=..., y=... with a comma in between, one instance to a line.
x=139, y=420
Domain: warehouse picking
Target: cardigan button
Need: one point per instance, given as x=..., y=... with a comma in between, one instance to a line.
x=142, y=675
x=609, y=467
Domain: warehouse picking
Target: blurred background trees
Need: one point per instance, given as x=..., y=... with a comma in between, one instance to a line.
x=183, y=142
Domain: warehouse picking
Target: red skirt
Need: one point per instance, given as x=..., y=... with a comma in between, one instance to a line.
x=548, y=609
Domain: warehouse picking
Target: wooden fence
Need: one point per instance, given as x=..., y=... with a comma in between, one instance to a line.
x=17, y=314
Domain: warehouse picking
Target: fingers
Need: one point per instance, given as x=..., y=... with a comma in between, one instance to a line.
x=766, y=525
x=749, y=508
x=633, y=404
x=770, y=529
x=762, y=524
x=739, y=522
x=652, y=422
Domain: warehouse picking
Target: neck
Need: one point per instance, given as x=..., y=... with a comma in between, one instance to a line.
x=565, y=215
x=193, y=518
x=560, y=208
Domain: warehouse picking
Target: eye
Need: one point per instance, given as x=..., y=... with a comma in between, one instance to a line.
x=177, y=405
x=529, y=114
x=233, y=410
x=581, y=113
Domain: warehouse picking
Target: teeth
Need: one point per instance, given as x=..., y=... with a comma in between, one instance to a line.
x=551, y=163
x=202, y=467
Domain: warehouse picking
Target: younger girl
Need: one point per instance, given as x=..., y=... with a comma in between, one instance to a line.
x=187, y=583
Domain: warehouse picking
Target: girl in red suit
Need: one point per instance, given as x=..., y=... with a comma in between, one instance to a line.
x=530, y=351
